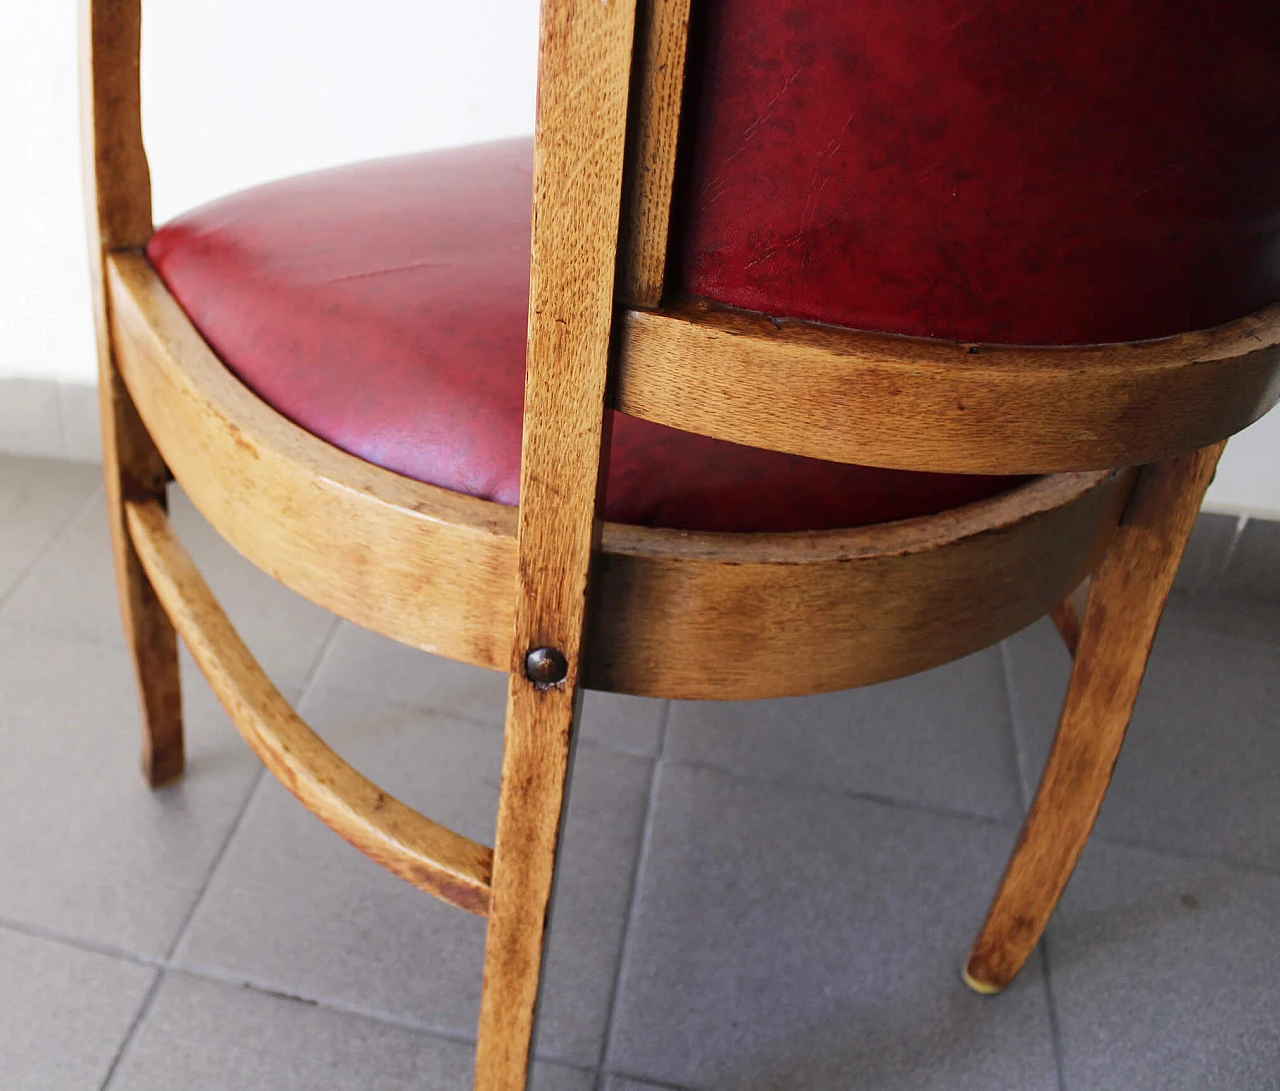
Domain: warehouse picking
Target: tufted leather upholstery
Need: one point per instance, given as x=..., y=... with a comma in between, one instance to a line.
x=382, y=307
x=1041, y=171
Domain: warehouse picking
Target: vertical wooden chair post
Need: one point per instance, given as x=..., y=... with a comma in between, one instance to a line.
x=579, y=148
x=118, y=206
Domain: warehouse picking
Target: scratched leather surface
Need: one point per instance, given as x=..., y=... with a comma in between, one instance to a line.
x=382, y=307
x=1032, y=171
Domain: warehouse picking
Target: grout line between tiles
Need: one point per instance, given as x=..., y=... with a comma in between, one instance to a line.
x=79, y=510
x=646, y=1080
x=198, y=900
x=60, y=412
x=222, y=977
x=1019, y=759
x=796, y=786
x=1186, y=855
x=1228, y=554
x=454, y=715
x=321, y=660
x=1195, y=627
x=642, y=855
x=373, y=1015
x=143, y=1010
x=167, y=965
x=79, y=943
x=1055, y=1028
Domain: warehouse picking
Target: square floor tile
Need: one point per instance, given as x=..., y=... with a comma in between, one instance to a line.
x=86, y=848
x=29, y=421
x=1200, y=769
x=940, y=738
x=206, y=1036
x=1240, y=617
x=1164, y=975
x=37, y=498
x=63, y=1013
x=1255, y=563
x=298, y=910
x=787, y=938
x=364, y=662
x=360, y=661
x=72, y=590
x=1206, y=552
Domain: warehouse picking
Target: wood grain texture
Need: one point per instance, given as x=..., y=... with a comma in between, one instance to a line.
x=937, y=406
x=117, y=180
x=422, y=852
x=662, y=37
x=117, y=187
x=579, y=148
x=430, y=567
x=1068, y=616
x=676, y=613
x=1127, y=598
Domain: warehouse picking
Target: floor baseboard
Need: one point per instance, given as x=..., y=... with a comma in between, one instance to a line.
x=43, y=418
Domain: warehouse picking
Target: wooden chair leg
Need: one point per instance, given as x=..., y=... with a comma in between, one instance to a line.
x=535, y=773
x=134, y=470
x=1125, y=603
x=118, y=198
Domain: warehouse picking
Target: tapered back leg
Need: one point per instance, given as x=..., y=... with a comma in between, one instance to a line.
x=1127, y=597
x=118, y=200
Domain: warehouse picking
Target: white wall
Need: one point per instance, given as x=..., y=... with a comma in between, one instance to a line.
x=240, y=91
x=234, y=92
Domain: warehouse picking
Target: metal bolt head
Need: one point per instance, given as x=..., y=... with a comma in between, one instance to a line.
x=546, y=666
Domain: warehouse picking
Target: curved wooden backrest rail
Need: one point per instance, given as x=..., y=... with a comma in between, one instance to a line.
x=931, y=405
x=674, y=614
x=428, y=855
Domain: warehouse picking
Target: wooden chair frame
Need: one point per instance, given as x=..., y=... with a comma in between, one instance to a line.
x=558, y=600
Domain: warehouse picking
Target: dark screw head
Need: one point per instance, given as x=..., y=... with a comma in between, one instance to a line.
x=546, y=666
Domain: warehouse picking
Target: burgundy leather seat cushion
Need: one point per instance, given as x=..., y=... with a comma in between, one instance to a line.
x=382, y=307
x=1037, y=171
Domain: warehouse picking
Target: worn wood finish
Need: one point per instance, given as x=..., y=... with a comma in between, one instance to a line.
x=430, y=567
x=904, y=598
x=676, y=614
x=914, y=404
x=662, y=37
x=579, y=149
x=1068, y=616
x=1128, y=595
x=424, y=853
x=118, y=205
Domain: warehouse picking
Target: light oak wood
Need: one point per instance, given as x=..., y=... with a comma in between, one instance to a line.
x=425, y=565
x=662, y=36
x=914, y=404
x=1128, y=595
x=118, y=206
x=422, y=852
x=579, y=149
x=674, y=614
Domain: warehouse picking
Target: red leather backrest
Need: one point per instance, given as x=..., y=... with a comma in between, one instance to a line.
x=1036, y=171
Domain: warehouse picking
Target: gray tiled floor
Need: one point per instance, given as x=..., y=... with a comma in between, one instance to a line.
x=755, y=896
